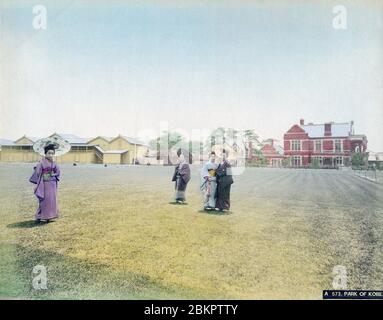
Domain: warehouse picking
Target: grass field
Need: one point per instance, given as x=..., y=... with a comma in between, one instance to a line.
x=118, y=236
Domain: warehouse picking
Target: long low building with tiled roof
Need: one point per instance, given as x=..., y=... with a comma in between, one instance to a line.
x=107, y=150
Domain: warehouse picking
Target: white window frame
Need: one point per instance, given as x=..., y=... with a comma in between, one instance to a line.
x=339, y=160
x=299, y=158
x=341, y=145
x=321, y=146
x=319, y=159
x=295, y=144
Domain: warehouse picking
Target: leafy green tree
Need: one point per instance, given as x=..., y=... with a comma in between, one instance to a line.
x=314, y=163
x=164, y=143
x=251, y=142
x=232, y=137
x=285, y=162
x=217, y=136
x=357, y=160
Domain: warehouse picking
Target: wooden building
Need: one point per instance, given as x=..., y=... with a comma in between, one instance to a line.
x=118, y=150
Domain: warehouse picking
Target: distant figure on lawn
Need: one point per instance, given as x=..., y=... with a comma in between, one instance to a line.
x=46, y=176
x=181, y=177
x=224, y=182
x=209, y=183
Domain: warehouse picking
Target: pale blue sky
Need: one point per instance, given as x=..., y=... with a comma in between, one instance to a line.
x=122, y=66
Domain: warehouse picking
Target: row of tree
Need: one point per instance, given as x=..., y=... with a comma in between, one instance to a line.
x=246, y=141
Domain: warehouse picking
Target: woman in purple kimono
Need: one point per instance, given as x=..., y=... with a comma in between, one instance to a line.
x=181, y=177
x=224, y=182
x=46, y=177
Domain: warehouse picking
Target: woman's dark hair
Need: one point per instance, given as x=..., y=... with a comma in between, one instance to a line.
x=188, y=156
x=49, y=147
x=224, y=151
x=213, y=152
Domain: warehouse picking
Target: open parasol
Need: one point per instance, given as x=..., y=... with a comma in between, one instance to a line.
x=62, y=146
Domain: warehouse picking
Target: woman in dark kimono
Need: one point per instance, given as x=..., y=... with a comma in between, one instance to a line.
x=224, y=182
x=46, y=177
x=181, y=177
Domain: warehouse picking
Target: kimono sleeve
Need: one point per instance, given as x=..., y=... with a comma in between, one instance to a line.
x=37, y=171
x=174, y=178
x=58, y=173
x=185, y=173
x=204, y=172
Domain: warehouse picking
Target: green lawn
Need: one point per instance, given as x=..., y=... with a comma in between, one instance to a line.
x=118, y=236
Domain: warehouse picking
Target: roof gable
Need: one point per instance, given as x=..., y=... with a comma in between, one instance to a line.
x=129, y=140
x=272, y=149
x=296, y=129
x=26, y=140
x=106, y=139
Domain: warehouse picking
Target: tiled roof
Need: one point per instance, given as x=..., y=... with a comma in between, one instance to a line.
x=34, y=139
x=337, y=130
x=107, y=138
x=6, y=142
x=134, y=141
x=73, y=139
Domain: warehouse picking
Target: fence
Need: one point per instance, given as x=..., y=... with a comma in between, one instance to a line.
x=369, y=174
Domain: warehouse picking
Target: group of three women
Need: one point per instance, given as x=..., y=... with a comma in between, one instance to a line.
x=216, y=181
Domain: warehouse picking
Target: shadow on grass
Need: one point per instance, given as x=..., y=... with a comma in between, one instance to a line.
x=25, y=224
x=77, y=278
x=216, y=213
x=178, y=204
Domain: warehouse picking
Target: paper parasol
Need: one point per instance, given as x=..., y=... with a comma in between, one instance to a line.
x=61, y=146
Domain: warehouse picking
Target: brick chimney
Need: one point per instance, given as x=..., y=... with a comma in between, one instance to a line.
x=302, y=122
x=327, y=129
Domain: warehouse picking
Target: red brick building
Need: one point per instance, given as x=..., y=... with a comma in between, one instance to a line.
x=329, y=144
x=273, y=153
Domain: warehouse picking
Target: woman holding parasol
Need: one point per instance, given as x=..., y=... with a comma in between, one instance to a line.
x=46, y=176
